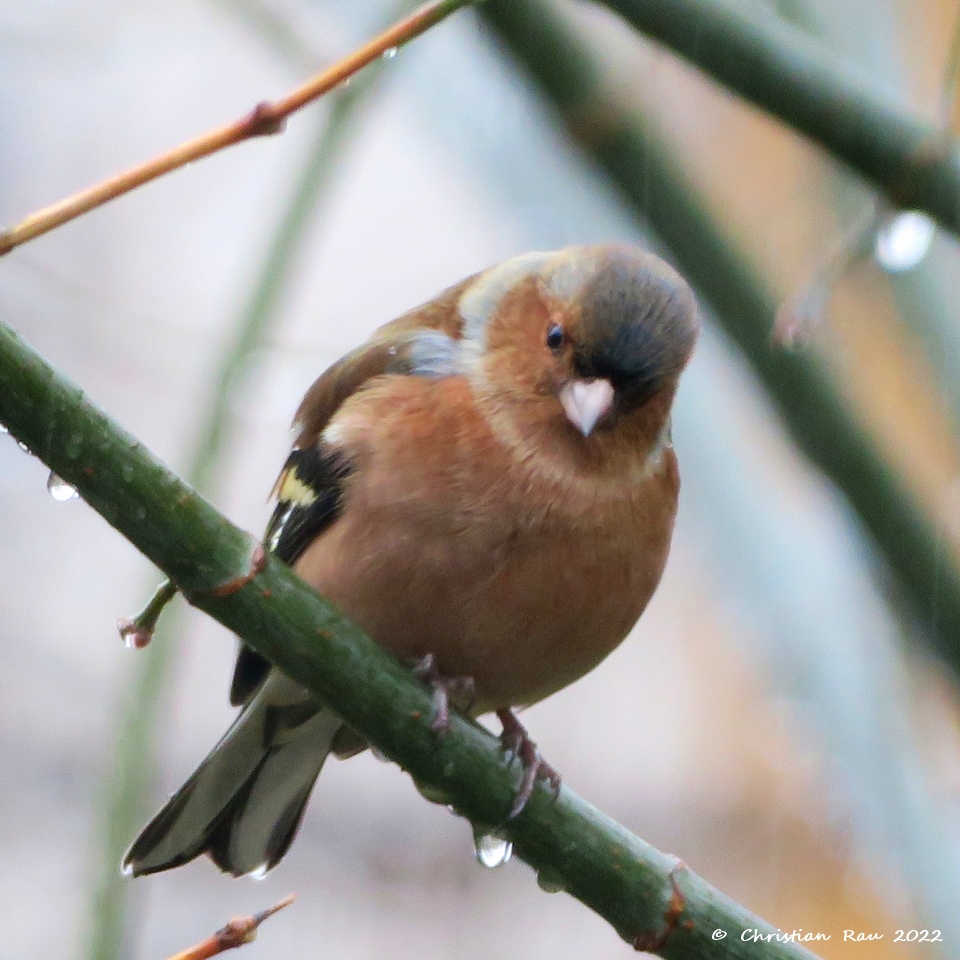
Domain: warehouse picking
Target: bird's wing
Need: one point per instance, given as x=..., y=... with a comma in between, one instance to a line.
x=423, y=342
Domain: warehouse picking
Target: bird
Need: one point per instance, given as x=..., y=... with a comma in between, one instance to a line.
x=488, y=488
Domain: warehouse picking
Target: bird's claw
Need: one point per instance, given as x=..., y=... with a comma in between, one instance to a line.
x=460, y=689
x=516, y=741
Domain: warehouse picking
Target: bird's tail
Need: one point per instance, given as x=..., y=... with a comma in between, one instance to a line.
x=244, y=803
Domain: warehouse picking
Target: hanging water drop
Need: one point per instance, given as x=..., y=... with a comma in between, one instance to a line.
x=904, y=240
x=261, y=872
x=134, y=635
x=60, y=490
x=3, y=429
x=491, y=851
x=389, y=53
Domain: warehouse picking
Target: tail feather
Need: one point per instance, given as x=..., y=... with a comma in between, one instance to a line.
x=244, y=803
x=261, y=822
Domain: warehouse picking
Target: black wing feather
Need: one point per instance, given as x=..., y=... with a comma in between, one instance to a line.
x=295, y=524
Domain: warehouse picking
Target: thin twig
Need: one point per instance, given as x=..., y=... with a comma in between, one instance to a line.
x=265, y=118
x=236, y=933
x=138, y=631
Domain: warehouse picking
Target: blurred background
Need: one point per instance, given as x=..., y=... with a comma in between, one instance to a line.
x=778, y=719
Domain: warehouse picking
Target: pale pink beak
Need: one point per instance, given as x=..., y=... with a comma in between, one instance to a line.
x=585, y=402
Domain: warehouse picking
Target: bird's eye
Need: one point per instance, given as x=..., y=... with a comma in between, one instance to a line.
x=555, y=336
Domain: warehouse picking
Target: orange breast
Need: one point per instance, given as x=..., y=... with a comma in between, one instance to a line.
x=451, y=544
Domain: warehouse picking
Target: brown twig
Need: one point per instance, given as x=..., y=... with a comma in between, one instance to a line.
x=264, y=119
x=236, y=933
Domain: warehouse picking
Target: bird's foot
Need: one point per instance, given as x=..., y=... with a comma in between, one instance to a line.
x=516, y=741
x=459, y=689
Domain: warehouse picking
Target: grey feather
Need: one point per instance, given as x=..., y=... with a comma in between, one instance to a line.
x=244, y=803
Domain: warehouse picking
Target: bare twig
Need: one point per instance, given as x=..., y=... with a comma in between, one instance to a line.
x=236, y=933
x=138, y=631
x=265, y=118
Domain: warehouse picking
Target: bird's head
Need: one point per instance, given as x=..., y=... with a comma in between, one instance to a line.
x=590, y=338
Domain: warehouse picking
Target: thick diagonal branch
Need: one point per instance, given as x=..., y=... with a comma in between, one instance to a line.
x=649, y=899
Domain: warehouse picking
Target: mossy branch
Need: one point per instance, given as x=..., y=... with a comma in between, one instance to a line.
x=794, y=76
x=651, y=899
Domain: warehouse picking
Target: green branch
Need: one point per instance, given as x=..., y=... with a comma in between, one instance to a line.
x=651, y=899
x=795, y=77
x=570, y=71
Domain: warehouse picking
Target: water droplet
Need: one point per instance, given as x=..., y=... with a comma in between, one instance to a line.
x=550, y=881
x=134, y=633
x=261, y=872
x=23, y=447
x=389, y=53
x=3, y=429
x=904, y=240
x=126, y=870
x=491, y=851
x=60, y=490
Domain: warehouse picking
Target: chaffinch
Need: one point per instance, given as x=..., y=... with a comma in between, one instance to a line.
x=487, y=487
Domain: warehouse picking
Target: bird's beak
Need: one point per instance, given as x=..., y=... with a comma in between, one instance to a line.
x=585, y=402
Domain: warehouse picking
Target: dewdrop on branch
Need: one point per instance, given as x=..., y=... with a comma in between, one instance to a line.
x=490, y=850
x=59, y=489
